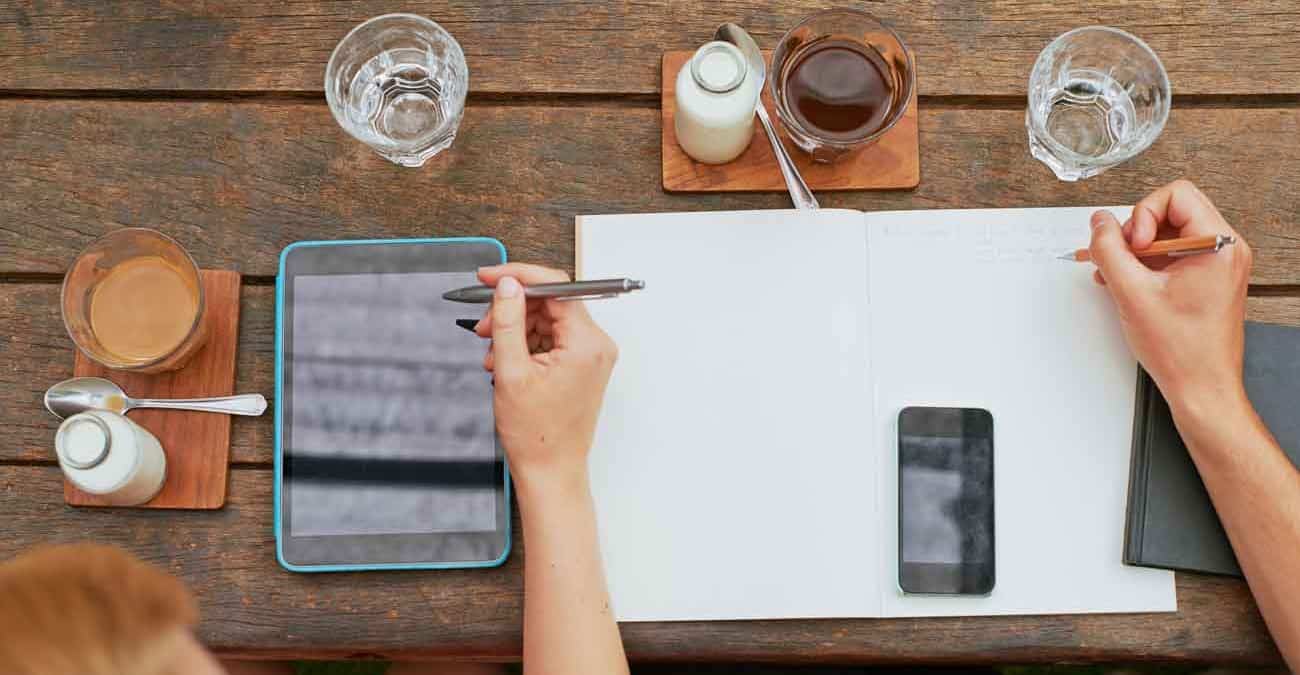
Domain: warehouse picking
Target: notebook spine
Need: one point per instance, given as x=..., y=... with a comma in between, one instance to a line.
x=1139, y=463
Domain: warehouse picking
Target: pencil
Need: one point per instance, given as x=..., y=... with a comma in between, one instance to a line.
x=1210, y=243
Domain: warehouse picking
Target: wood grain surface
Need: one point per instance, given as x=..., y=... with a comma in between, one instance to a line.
x=236, y=182
x=892, y=162
x=207, y=121
x=586, y=46
x=38, y=341
x=252, y=607
x=197, y=444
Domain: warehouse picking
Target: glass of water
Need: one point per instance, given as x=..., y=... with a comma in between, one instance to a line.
x=397, y=83
x=1098, y=96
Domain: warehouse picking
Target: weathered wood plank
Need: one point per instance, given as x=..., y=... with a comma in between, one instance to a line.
x=247, y=600
x=251, y=606
x=36, y=353
x=965, y=48
x=236, y=182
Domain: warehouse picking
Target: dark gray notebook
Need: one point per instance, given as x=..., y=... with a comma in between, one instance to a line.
x=1171, y=523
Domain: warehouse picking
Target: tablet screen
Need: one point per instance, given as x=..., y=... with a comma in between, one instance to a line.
x=391, y=423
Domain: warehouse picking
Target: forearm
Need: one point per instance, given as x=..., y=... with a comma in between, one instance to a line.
x=569, y=627
x=1256, y=492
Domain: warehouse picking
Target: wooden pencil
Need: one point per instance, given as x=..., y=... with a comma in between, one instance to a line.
x=1209, y=243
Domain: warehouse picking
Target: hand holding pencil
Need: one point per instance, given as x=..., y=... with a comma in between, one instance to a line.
x=1182, y=316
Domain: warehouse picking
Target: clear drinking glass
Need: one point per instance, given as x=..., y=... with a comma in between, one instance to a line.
x=133, y=300
x=885, y=60
x=1098, y=96
x=397, y=83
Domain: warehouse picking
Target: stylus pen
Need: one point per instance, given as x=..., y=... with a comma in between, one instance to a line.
x=1210, y=243
x=571, y=290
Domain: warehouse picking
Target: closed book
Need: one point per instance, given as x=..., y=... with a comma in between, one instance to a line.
x=1171, y=522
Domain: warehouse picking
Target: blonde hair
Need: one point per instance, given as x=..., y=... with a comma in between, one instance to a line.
x=87, y=609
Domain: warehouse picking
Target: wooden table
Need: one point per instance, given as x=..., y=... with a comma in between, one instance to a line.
x=208, y=123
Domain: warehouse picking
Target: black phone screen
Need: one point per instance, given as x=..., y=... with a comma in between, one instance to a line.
x=945, y=501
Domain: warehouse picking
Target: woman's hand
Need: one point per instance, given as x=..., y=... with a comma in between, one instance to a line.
x=551, y=363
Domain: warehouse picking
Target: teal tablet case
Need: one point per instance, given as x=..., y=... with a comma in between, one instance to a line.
x=279, y=451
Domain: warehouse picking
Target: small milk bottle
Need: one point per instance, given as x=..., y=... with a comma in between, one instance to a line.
x=716, y=97
x=106, y=454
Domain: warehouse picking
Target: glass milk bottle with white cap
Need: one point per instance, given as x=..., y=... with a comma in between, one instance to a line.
x=108, y=455
x=716, y=97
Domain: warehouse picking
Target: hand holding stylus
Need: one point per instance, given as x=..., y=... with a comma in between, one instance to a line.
x=551, y=363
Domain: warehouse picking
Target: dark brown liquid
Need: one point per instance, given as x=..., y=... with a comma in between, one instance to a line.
x=838, y=89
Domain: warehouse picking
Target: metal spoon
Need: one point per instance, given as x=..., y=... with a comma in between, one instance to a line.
x=799, y=193
x=79, y=394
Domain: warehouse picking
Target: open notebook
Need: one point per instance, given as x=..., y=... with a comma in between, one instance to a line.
x=745, y=464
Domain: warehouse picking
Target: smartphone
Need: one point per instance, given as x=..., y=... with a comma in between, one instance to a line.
x=945, y=501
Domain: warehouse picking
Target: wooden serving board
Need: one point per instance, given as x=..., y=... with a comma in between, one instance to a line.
x=197, y=444
x=893, y=162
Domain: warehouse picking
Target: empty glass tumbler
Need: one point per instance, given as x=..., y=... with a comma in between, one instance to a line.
x=1098, y=96
x=397, y=83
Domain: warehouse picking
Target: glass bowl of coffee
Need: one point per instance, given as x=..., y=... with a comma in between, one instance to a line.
x=133, y=300
x=840, y=80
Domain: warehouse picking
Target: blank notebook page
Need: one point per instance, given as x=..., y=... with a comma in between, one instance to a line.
x=971, y=309
x=730, y=471
x=745, y=464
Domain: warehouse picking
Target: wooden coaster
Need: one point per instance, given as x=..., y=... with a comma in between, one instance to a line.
x=197, y=444
x=893, y=162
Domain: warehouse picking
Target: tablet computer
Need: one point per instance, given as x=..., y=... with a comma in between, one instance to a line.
x=386, y=455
